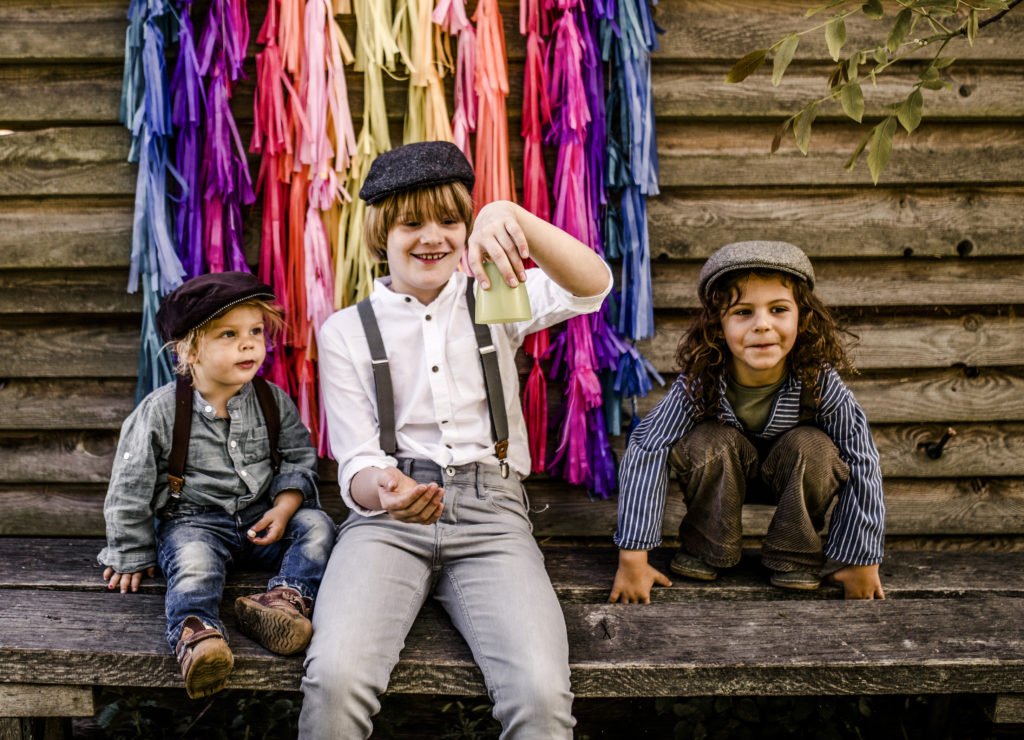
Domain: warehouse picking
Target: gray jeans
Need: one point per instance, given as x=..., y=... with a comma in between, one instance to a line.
x=481, y=563
x=719, y=467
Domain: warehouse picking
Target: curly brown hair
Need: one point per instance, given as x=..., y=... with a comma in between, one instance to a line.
x=703, y=354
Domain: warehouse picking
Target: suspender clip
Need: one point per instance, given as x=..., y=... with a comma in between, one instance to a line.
x=501, y=451
x=175, y=482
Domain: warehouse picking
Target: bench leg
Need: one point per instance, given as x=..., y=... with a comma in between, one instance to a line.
x=34, y=728
x=1009, y=709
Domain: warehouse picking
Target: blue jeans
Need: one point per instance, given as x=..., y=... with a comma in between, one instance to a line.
x=482, y=564
x=196, y=544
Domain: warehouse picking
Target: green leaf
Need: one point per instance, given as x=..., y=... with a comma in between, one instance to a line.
x=881, y=147
x=900, y=29
x=880, y=55
x=943, y=62
x=873, y=9
x=835, y=36
x=972, y=26
x=934, y=84
x=992, y=4
x=826, y=6
x=909, y=113
x=783, y=56
x=856, y=152
x=746, y=66
x=802, y=127
x=852, y=99
x=777, y=139
x=930, y=73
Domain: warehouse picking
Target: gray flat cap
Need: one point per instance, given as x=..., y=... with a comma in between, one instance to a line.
x=413, y=166
x=756, y=255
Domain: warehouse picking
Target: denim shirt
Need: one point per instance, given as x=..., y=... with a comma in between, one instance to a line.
x=228, y=465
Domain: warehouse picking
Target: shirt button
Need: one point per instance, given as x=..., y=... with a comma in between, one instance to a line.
x=428, y=317
x=448, y=446
x=434, y=369
x=127, y=455
x=244, y=473
x=208, y=409
x=450, y=471
x=234, y=444
x=408, y=299
x=444, y=421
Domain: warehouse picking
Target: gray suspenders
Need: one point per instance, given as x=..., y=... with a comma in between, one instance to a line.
x=385, y=392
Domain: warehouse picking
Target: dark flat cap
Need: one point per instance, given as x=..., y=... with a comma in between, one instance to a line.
x=755, y=255
x=414, y=166
x=204, y=298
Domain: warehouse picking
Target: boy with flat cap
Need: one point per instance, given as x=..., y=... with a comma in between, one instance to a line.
x=425, y=422
x=223, y=463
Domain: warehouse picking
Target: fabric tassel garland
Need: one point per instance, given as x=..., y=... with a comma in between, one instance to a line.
x=146, y=111
x=493, y=175
x=224, y=174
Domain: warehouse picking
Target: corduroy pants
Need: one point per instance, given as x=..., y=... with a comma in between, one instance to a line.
x=719, y=468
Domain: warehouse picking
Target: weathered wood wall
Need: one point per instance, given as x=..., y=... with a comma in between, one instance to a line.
x=928, y=267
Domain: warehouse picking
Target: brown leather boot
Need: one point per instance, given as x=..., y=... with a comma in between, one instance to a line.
x=205, y=658
x=277, y=619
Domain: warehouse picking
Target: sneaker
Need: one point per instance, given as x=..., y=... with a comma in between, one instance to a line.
x=205, y=658
x=796, y=580
x=691, y=567
x=277, y=619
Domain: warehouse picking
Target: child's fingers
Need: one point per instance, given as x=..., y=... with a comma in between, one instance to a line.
x=476, y=264
x=136, y=580
x=265, y=521
x=515, y=232
x=107, y=572
x=151, y=571
x=661, y=579
x=614, y=596
x=113, y=581
x=505, y=256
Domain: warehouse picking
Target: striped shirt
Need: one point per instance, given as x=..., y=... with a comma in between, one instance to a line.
x=857, y=528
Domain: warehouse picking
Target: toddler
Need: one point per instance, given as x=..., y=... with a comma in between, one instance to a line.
x=223, y=463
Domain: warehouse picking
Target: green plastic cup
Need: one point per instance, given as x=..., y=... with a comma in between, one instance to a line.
x=501, y=304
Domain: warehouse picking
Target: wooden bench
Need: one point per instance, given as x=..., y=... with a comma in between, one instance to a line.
x=951, y=624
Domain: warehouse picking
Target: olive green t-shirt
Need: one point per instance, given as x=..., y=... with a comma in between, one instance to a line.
x=752, y=406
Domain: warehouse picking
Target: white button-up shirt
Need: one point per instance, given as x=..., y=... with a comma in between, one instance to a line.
x=441, y=409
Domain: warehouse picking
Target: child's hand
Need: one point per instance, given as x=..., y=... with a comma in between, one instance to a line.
x=405, y=500
x=859, y=582
x=634, y=578
x=498, y=237
x=126, y=581
x=274, y=522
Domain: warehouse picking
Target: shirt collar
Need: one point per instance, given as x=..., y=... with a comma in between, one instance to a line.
x=382, y=291
x=201, y=406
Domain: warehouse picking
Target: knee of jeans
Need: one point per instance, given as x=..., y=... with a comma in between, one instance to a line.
x=192, y=559
x=314, y=530
x=709, y=441
x=538, y=697
x=340, y=682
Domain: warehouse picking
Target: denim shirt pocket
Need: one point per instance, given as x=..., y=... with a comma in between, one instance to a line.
x=255, y=446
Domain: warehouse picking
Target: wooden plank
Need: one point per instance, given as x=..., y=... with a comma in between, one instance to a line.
x=578, y=574
x=684, y=224
x=701, y=154
x=972, y=282
x=978, y=450
x=721, y=30
x=1009, y=709
x=992, y=508
x=61, y=161
x=67, y=292
x=943, y=396
x=90, y=160
x=108, y=348
x=700, y=91
x=973, y=340
x=881, y=222
x=884, y=283
x=919, y=395
x=90, y=93
x=745, y=647
x=913, y=507
x=727, y=29
x=66, y=404
x=35, y=700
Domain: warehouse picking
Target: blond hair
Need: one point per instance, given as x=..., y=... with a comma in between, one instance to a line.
x=449, y=201
x=188, y=345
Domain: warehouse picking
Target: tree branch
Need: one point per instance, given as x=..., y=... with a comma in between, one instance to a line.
x=997, y=16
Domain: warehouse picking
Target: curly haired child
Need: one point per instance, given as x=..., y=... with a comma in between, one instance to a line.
x=219, y=491
x=758, y=413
